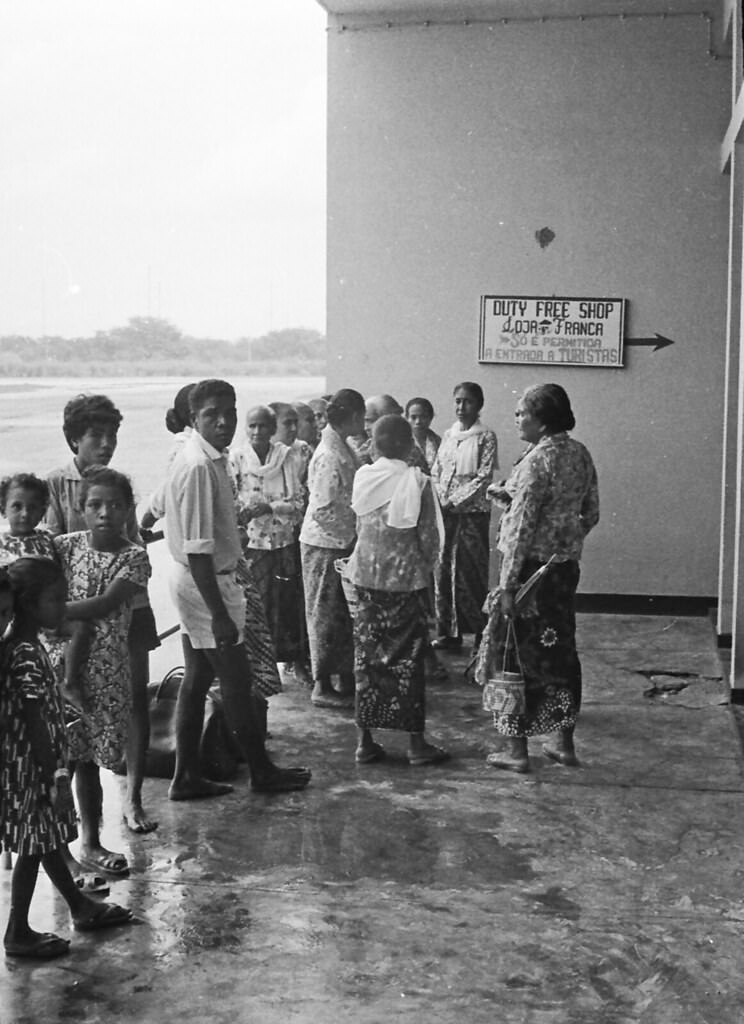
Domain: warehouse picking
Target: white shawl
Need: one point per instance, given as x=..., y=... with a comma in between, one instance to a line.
x=274, y=460
x=392, y=482
x=466, y=458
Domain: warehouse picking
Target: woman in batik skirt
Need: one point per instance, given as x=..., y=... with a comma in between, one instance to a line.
x=552, y=503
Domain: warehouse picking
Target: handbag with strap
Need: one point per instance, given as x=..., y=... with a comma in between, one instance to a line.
x=504, y=692
x=219, y=752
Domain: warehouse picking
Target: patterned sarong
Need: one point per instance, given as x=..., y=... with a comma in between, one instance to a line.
x=278, y=577
x=390, y=638
x=546, y=637
x=329, y=629
x=257, y=639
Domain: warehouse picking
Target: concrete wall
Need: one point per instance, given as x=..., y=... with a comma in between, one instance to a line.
x=449, y=146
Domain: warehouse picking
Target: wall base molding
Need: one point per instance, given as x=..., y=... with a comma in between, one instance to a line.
x=644, y=604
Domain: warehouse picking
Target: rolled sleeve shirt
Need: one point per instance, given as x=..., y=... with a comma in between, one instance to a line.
x=199, y=507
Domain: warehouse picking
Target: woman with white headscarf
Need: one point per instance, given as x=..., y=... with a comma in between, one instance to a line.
x=462, y=472
x=399, y=534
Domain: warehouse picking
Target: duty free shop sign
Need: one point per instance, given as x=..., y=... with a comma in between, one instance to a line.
x=558, y=331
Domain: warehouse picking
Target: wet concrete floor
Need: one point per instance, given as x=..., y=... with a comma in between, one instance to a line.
x=609, y=893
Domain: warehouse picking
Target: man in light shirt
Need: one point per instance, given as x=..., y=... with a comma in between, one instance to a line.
x=202, y=534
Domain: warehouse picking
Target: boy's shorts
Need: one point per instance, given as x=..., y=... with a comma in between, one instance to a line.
x=193, y=614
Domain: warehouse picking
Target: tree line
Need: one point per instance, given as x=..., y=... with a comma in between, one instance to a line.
x=150, y=346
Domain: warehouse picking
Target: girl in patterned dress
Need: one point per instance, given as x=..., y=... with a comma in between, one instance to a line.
x=37, y=816
x=23, y=502
x=104, y=572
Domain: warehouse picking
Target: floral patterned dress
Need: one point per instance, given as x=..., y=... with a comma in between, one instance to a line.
x=29, y=824
x=101, y=734
x=554, y=505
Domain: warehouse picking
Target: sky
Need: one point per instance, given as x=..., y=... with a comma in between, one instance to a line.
x=162, y=158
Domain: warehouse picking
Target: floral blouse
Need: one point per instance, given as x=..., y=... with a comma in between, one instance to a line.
x=555, y=504
x=463, y=494
x=276, y=483
x=329, y=521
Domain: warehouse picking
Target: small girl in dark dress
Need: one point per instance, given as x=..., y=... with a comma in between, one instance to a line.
x=37, y=815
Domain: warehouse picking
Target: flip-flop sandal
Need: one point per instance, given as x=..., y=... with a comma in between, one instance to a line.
x=110, y=915
x=46, y=947
x=369, y=756
x=111, y=863
x=92, y=885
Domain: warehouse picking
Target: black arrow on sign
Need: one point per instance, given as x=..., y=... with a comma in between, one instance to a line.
x=658, y=341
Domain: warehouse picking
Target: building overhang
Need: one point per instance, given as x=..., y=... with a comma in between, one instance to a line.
x=520, y=8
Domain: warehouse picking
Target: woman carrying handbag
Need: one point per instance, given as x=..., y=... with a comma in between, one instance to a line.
x=552, y=503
